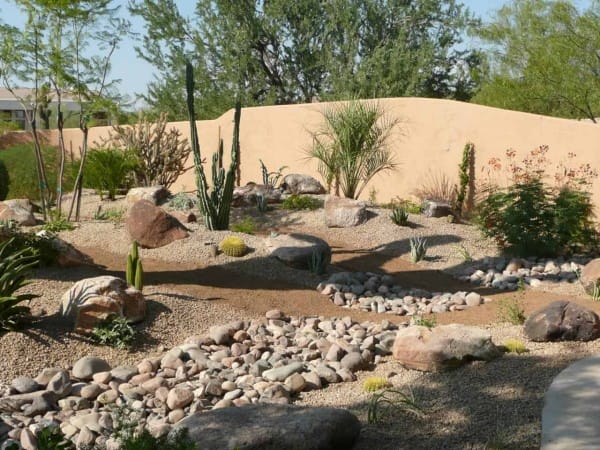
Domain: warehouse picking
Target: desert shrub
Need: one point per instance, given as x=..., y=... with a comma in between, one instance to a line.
x=530, y=219
x=399, y=216
x=373, y=384
x=19, y=161
x=514, y=346
x=182, y=202
x=384, y=403
x=115, y=332
x=57, y=223
x=246, y=225
x=352, y=146
x=297, y=202
x=408, y=205
x=15, y=266
x=436, y=186
x=51, y=438
x=421, y=321
x=271, y=179
x=109, y=170
x=112, y=214
x=465, y=169
x=161, y=153
x=463, y=253
x=511, y=311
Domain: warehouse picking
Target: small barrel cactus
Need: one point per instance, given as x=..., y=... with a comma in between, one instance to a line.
x=233, y=246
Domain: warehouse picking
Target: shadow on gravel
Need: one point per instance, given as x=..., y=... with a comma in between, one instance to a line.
x=480, y=406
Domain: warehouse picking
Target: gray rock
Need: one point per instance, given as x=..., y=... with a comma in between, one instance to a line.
x=60, y=384
x=344, y=212
x=23, y=385
x=353, y=362
x=86, y=367
x=296, y=250
x=19, y=210
x=436, y=209
x=281, y=373
x=155, y=194
x=563, y=321
x=295, y=183
x=123, y=373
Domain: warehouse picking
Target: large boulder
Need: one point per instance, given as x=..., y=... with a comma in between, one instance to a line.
x=246, y=195
x=344, y=212
x=433, y=208
x=152, y=227
x=442, y=347
x=20, y=210
x=67, y=255
x=563, y=321
x=272, y=427
x=155, y=194
x=296, y=250
x=590, y=277
x=92, y=300
x=295, y=183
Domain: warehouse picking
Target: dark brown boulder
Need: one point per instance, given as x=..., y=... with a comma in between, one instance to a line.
x=152, y=227
x=563, y=321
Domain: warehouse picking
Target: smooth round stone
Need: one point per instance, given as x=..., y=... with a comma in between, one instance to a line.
x=86, y=367
x=24, y=385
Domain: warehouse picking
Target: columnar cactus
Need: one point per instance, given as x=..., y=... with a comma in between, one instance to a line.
x=216, y=205
x=135, y=271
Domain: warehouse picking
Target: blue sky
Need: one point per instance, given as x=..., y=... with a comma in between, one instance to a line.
x=136, y=73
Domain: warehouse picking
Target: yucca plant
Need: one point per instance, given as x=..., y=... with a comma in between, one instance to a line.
x=399, y=216
x=351, y=147
x=15, y=266
x=418, y=248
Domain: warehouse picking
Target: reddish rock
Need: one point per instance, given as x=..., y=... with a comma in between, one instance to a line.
x=95, y=310
x=152, y=227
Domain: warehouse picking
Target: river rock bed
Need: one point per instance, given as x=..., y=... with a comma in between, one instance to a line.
x=506, y=274
x=378, y=293
x=270, y=360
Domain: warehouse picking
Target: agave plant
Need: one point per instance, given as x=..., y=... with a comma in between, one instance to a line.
x=14, y=268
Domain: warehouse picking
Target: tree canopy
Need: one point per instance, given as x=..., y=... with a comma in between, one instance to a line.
x=279, y=52
x=544, y=58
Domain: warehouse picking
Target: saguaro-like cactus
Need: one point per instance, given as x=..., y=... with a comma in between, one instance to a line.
x=135, y=272
x=216, y=205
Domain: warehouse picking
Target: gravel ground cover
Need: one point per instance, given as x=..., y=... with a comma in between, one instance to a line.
x=494, y=405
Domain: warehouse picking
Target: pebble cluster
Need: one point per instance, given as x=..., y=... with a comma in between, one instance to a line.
x=503, y=273
x=267, y=360
x=378, y=293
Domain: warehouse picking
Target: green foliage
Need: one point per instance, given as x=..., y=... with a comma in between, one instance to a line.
x=182, y=202
x=114, y=332
x=297, y=202
x=112, y=214
x=408, y=205
x=261, y=203
x=42, y=245
x=399, y=216
x=51, y=438
x=418, y=248
x=135, y=272
x=4, y=181
x=57, y=223
x=233, y=246
x=216, y=206
x=246, y=225
x=464, y=253
x=318, y=262
x=421, y=321
x=109, y=170
x=514, y=346
x=511, y=311
x=19, y=161
x=529, y=219
x=15, y=266
x=161, y=154
x=314, y=49
x=270, y=179
x=464, y=178
x=352, y=146
x=543, y=58
x=385, y=402
x=372, y=384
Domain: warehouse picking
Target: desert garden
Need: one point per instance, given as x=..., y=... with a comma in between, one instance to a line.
x=248, y=315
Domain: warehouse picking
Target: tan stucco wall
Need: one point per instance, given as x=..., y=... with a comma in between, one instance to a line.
x=431, y=136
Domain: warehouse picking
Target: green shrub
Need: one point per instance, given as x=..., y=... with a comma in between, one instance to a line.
x=246, y=225
x=15, y=266
x=296, y=202
x=145, y=441
x=112, y=214
x=23, y=181
x=511, y=311
x=529, y=219
x=109, y=170
x=182, y=202
x=51, y=438
x=421, y=321
x=42, y=245
x=407, y=205
x=58, y=223
x=399, y=216
x=115, y=332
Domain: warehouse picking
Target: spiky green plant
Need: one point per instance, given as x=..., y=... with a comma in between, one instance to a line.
x=215, y=206
x=464, y=169
x=135, y=271
x=384, y=402
x=352, y=146
x=233, y=246
x=261, y=203
x=318, y=262
x=418, y=248
x=15, y=266
x=399, y=216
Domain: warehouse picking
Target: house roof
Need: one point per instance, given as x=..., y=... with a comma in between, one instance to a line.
x=6, y=95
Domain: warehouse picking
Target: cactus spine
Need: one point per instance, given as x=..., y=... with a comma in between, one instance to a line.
x=214, y=206
x=135, y=271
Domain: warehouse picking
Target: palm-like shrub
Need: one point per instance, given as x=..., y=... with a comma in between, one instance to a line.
x=109, y=170
x=14, y=268
x=351, y=147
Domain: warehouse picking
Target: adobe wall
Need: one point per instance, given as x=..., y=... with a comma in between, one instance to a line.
x=431, y=136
